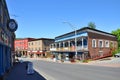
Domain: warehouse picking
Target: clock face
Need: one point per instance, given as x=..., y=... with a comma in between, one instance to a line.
x=12, y=25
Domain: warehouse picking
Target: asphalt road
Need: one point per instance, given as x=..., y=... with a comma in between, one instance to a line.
x=61, y=71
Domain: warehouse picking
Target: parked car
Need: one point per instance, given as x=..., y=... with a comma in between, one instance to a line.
x=18, y=54
x=117, y=55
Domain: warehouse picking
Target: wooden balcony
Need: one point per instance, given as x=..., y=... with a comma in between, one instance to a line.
x=72, y=48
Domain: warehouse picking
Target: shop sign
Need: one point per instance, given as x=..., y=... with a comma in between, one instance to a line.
x=3, y=37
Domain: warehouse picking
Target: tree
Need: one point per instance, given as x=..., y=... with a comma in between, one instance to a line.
x=91, y=25
x=117, y=34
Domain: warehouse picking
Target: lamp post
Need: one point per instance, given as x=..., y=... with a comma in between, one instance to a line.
x=73, y=27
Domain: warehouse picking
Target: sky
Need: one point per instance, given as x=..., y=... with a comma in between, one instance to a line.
x=45, y=18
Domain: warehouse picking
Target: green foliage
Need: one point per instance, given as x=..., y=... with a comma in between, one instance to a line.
x=116, y=51
x=111, y=45
x=85, y=61
x=117, y=34
x=91, y=25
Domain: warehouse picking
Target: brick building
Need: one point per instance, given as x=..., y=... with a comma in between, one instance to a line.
x=21, y=46
x=38, y=47
x=7, y=37
x=90, y=44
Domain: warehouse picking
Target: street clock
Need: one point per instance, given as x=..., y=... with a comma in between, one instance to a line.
x=12, y=25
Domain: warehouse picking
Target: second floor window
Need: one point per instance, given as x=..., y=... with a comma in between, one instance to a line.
x=111, y=44
x=66, y=44
x=107, y=44
x=94, y=43
x=100, y=43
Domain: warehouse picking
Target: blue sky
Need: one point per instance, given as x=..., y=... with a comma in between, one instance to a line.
x=44, y=18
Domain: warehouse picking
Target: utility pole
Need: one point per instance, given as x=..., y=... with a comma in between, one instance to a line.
x=74, y=28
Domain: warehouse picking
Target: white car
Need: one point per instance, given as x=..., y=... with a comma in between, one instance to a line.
x=117, y=55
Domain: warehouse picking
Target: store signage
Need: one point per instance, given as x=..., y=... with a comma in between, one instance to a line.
x=3, y=37
x=12, y=25
x=0, y=35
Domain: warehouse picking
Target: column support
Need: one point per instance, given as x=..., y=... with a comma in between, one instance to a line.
x=69, y=45
x=82, y=43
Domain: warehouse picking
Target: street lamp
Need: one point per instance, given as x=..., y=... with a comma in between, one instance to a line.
x=74, y=28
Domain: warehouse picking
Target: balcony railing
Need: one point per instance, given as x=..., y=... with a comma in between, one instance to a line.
x=82, y=48
x=72, y=48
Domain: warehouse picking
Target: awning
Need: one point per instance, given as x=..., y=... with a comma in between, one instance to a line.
x=39, y=52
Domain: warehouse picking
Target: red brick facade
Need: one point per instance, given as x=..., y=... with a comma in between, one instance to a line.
x=91, y=44
x=21, y=45
x=100, y=52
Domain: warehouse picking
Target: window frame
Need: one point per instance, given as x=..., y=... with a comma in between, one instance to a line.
x=94, y=42
x=99, y=44
x=107, y=45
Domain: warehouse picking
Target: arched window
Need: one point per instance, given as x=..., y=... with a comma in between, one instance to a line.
x=100, y=43
x=107, y=44
x=94, y=43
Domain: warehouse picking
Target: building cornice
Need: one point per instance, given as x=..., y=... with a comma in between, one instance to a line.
x=87, y=29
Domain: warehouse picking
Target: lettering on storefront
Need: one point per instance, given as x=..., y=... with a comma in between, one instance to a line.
x=0, y=34
x=3, y=37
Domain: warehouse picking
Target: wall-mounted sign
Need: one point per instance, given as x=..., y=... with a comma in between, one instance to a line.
x=0, y=35
x=4, y=37
x=12, y=25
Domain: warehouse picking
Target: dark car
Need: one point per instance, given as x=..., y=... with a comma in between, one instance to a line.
x=18, y=54
x=117, y=55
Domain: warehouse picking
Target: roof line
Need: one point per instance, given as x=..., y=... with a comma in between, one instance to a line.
x=84, y=28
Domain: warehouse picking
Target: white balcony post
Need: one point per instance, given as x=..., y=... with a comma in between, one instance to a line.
x=82, y=43
x=69, y=45
x=55, y=45
x=59, y=46
x=63, y=44
x=52, y=45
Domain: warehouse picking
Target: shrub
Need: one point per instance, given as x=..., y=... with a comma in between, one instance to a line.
x=85, y=61
x=116, y=51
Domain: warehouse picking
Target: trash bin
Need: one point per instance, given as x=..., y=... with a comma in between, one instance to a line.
x=30, y=69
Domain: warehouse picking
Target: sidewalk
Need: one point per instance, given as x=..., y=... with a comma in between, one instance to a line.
x=19, y=72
